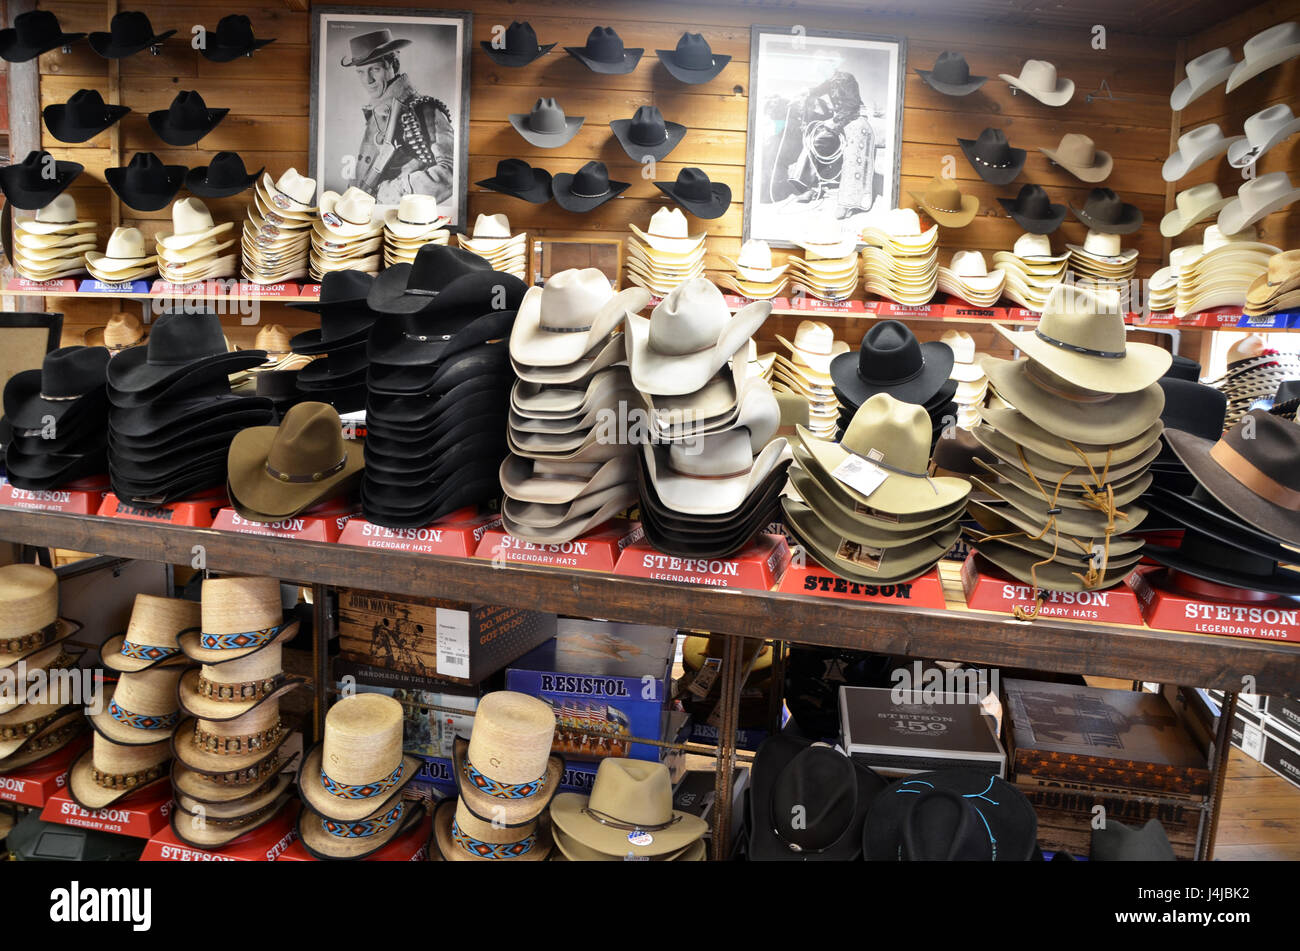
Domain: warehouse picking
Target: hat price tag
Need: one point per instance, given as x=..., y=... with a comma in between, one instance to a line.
x=861, y=473
x=703, y=683
x=637, y=837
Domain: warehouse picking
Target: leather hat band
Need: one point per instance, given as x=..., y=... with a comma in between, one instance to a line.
x=1245, y=472
x=1075, y=348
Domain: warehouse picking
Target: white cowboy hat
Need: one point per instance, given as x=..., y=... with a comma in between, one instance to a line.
x=1036, y=249
x=1255, y=200
x=669, y=233
x=753, y=291
x=191, y=223
x=1203, y=74
x=825, y=239
x=124, y=257
x=40, y=256
x=1038, y=78
x=1196, y=148
x=965, y=367
x=754, y=265
x=551, y=482
x=1264, y=129
x=1265, y=50
x=491, y=235
x=291, y=192
x=1190, y=206
x=349, y=215
x=414, y=217
x=557, y=323
x=593, y=361
x=58, y=217
x=813, y=346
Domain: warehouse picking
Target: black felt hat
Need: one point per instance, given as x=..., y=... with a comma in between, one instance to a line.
x=224, y=175
x=82, y=117
x=180, y=344
x=232, y=38
x=951, y=76
x=67, y=376
x=694, y=192
x=517, y=178
x=993, y=158
x=604, y=52
x=647, y=133
x=37, y=180
x=145, y=183
x=693, y=61
x=186, y=120
x=443, y=279
x=33, y=33
x=1033, y=210
x=521, y=46
x=588, y=188
x=891, y=360
x=1104, y=212
x=129, y=32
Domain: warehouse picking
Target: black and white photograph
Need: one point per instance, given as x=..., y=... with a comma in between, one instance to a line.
x=390, y=104
x=825, y=130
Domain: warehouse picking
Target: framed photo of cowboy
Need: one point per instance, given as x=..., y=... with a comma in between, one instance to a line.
x=390, y=104
x=825, y=130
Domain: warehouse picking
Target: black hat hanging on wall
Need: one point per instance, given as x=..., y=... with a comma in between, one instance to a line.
x=37, y=180
x=129, y=32
x=232, y=39
x=145, y=183
x=224, y=175
x=186, y=120
x=521, y=46
x=1033, y=210
x=647, y=134
x=693, y=60
x=517, y=178
x=951, y=76
x=605, y=52
x=82, y=117
x=993, y=157
x=694, y=192
x=1106, y=213
x=32, y=34
x=588, y=188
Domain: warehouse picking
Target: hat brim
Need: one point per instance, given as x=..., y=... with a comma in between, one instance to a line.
x=194, y=704
x=1099, y=171
x=992, y=174
x=324, y=804
x=717, y=205
x=210, y=832
x=1248, y=69
x=845, y=523
x=687, y=495
x=674, y=132
x=951, y=89
x=165, y=130
x=562, y=191
x=1129, y=221
x=103, y=44
x=539, y=192
x=16, y=52
x=63, y=629
x=1139, y=368
x=937, y=360
x=253, y=486
x=546, y=140
x=504, y=57
x=226, y=54
x=569, y=815
x=320, y=844
x=189, y=643
x=498, y=810
x=88, y=794
x=29, y=199
x=442, y=848
x=111, y=656
x=631, y=56
x=58, y=121
x=216, y=764
x=532, y=344
x=1234, y=217
x=63, y=731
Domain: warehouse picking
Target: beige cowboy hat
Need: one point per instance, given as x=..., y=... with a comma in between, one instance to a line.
x=290, y=193
x=187, y=274
x=863, y=563
x=669, y=233
x=109, y=772
x=572, y=850
x=969, y=278
x=1073, y=473
x=1126, y=491
x=845, y=522
x=196, y=254
x=240, y=615
x=1195, y=148
x=124, y=254
x=944, y=201
x=1265, y=50
x=491, y=235
x=142, y=710
x=1256, y=199
x=844, y=497
x=19, y=725
x=214, y=825
x=1282, y=277
x=460, y=836
x=1079, y=156
x=289, y=222
x=965, y=367
x=567, y=402
x=1203, y=74
x=754, y=263
x=575, y=310
x=57, y=218
x=226, y=691
x=51, y=734
x=1024, y=432
x=612, y=351
x=1087, y=525
x=753, y=292
x=506, y=774
x=191, y=224
x=1020, y=565
x=29, y=612
x=548, y=482
x=556, y=524
x=1038, y=78
x=414, y=217
x=813, y=347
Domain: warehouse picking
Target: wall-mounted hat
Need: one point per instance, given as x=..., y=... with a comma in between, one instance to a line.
x=186, y=120
x=1265, y=129
x=1265, y=50
x=517, y=178
x=1033, y=210
x=546, y=126
x=1190, y=206
x=145, y=183
x=37, y=180
x=520, y=46
x=129, y=32
x=82, y=117
x=1103, y=211
x=588, y=188
x=1081, y=158
x=1255, y=200
x=1203, y=74
x=951, y=76
x=1196, y=148
x=224, y=175
x=944, y=202
x=33, y=33
x=232, y=38
x=604, y=52
x=369, y=47
x=992, y=156
x=1038, y=78
x=646, y=133
x=693, y=61
x=694, y=192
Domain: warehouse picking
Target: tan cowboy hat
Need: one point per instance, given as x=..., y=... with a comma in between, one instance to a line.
x=845, y=522
x=187, y=274
x=240, y=615
x=813, y=348
x=207, y=825
x=1190, y=206
x=1064, y=473
x=574, y=851
x=150, y=638
x=109, y=772
x=1053, y=576
x=669, y=233
x=460, y=836
x=241, y=751
x=54, y=732
x=864, y=563
x=505, y=772
x=1079, y=156
x=549, y=482
x=556, y=324
x=231, y=690
x=753, y=291
x=29, y=612
x=944, y=201
x=1126, y=490
x=196, y=254
x=491, y=235
x=142, y=709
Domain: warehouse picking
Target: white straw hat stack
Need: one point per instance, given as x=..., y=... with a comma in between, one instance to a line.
x=197, y=248
x=968, y=371
x=52, y=243
x=124, y=258
x=802, y=367
x=752, y=274
x=348, y=235
x=1032, y=270
x=1104, y=264
x=666, y=254
x=901, y=260
x=491, y=239
x=278, y=230
x=969, y=278
x=1216, y=273
x=828, y=269
x=413, y=223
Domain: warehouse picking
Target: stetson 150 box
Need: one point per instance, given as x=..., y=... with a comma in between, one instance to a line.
x=436, y=637
x=897, y=732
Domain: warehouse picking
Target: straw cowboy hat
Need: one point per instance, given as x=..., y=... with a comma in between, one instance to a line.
x=227, y=691
x=109, y=772
x=944, y=202
x=1282, y=278
x=1190, y=206
x=208, y=825
x=1081, y=158
x=460, y=836
x=29, y=612
x=414, y=217
x=669, y=233
x=240, y=615
x=52, y=658
x=55, y=221
x=124, y=257
x=505, y=772
x=31, y=732
x=1038, y=78
x=291, y=193
x=349, y=215
x=814, y=347
x=1265, y=50
x=577, y=308
x=150, y=638
x=121, y=331
x=191, y=224
x=1256, y=199
x=239, y=751
x=142, y=710
x=965, y=369
x=1203, y=74
x=1195, y=148
x=754, y=263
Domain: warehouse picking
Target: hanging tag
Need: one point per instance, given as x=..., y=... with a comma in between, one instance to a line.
x=861, y=474
x=703, y=682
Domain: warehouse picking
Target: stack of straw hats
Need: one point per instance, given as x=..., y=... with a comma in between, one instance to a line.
x=567, y=473
x=629, y=816
x=228, y=771
x=52, y=243
x=1031, y=269
x=804, y=370
x=122, y=330
x=1103, y=263
x=413, y=223
x=197, y=248
x=1083, y=425
x=1254, y=372
x=337, y=372
x=123, y=259
x=828, y=269
x=347, y=236
x=351, y=784
x=506, y=777
x=968, y=371
x=752, y=274
x=491, y=240
x=32, y=632
x=1278, y=289
x=866, y=507
x=1216, y=273
x=901, y=260
x=969, y=278
x=278, y=230
x=666, y=254
x=711, y=477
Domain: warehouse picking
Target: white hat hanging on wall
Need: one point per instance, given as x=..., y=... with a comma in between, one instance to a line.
x=1038, y=78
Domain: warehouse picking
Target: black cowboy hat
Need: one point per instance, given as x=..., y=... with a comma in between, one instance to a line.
x=491, y=358
x=224, y=175
x=415, y=412
x=49, y=470
x=588, y=188
x=951, y=75
x=1117, y=842
x=1219, y=559
x=145, y=183
x=170, y=423
x=992, y=157
x=521, y=46
x=694, y=192
x=517, y=178
x=604, y=52
x=82, y=117
x=443, y=279
x=37, y=180
x=891, y=360
x=452, y=412
x=79, y=428
x=186, y=120
x=646, y=133
x=232, y=38
x=210, y=379
x=342, y=293
x=345, y=366
x=155, y=495
x=180, y=344
x=1104, y=212
x=1033, y=210
x=129, y=32
x=369, y=47
x=1193, y=407
x=1183, y=368
x=33, y=33
x=67, y=377
x=422, y=345
x=693, y=61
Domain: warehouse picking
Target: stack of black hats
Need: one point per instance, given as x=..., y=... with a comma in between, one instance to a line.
x=173, y=415
x=438, y=384
x=58, y=417
x=1190, y=407
x=339, y=376
x=891, y=360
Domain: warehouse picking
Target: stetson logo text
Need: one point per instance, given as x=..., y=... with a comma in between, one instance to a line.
x=703, y=566
x=1020, y=592
x=844, y=586
x=41, y=495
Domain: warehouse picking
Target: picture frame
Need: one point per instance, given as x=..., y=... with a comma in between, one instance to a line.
x=825, y=129
x=387, y=113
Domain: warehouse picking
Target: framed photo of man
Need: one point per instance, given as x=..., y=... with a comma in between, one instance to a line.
x=390, y=104
x=825, y=130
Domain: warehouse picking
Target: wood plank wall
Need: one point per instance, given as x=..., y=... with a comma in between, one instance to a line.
x=268, y=95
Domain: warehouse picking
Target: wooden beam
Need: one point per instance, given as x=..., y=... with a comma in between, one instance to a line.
x=24, y=96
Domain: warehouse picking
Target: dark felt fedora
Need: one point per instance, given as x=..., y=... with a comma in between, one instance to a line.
x=37, y=180
x=129, y=32
x=520, y=46
x=179, y=344
x=443, y=279
x=517, y=178
x=33, y=33
x=145, y=183
x=992, y=157
x=1193, y=407
x=694, y=192
x=232, y=38
x=1033, y=210
x=891, y=360
x=224, y=175
x=67, y=376
x=82, y=117
x=588, y=188
x=647, y=133
x=604, y=52
x=951, y=76
x=369, y=47
x=693, y=61
x=1104, y=212
x=186, y=120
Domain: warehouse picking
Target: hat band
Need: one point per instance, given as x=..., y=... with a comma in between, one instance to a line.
x=491, y=850
x=61, y=399
x=235, y=822
x=1254, y=479
x=237, y=692
x=249, y=774
x=365, y=827
x=615, y=823
x=56, y=738
x=142, y=721
x=30, y=728
x=364, y=790
x=1075, y=348
x=126, y=780
x=149, y=652
x=230, y=642
x=18, y=645
x=236, y=745
x=492, y=787
x=419, y=224
x=564, y=330
x=306, y=479
x=896, y=381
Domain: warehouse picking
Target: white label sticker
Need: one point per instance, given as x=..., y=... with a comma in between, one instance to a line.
x=1252, y=742
x=861, y=474
x=640, y=838
x=453, y=643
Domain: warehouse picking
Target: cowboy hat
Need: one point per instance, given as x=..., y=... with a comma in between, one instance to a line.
x=518, y=46
x=232, y=38
x=668, y=233
x=123, y=258
x=69, y=383
x=129, y=32
x=555, y=525
x=647, y=134
x=629, y=812
x=505, y=772
x=37, y=180
x=84, y=116
x=1195, y=148
x=1033, y=211
x=573, y=313
x=109, y=772
x=186, y=120
x=349, y=215
x=460, y=836
x=181, y=345
x=951, y=75
x=604, y=52
x=693, y=61
x=891, y=360
x=1190, y=206
x=1038, y=78
x=992, y=157
x=366, y=48
x=145, y=183
x=1264, y=130
x=1265, y=50
x=243, y=750
x=241, y=615
x=215, y=825
x=1256, y=199
x=546, y=126
x=1110, y=456
x=1081, y=158
x=1203, y=74
x=442, y=279
x=720, y=478
x=517, y=178
x=33, y=33
x=1281, y=278
x=586, y=189
x=150, y=637
x=846, y=523
x=1103, y=211
x=29, y=621
x=694, y=192
x=549, y=482
x=944, y=202
x=864, y=563
x=292, y=193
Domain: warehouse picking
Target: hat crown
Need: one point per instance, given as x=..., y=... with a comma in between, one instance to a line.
x=1283, y=267
x=1104, y=205
x=755, y=253
x=547, y=116
x=416, y=209
x=647, y=126
x=1038, y=74
x=225, y=168
x=308, y=442
x=73, y=371
x=1274, y=38
x=130, y=26
x=1102, y=244
x=116, y=758
x=960, y=343
x=259, y=665
x=1192, y=200
x=571, y=299
x=36, y=27
x=694, y=52
x=693, y=185
x=900, y=431
x=633, y=791
x=1199, y=138
x=993, y=147
x=668, y=223
x=29, y=599
x=62, y=210
x=819, y=787
x=516, y=173
x=512, y=737
x=240, y=605
x=604, y=45
x=363, y=739
x=297, y=186
x=184, y=338
x=521, y=38
x=951, y=68
x=86, y=107
x=943, y=194
x=1076, y=149
x=813, y=336
x=890, y=353
x=156, y=621
x=234, y=29
x=1263, y=124
x=969, y=264
x=1209, y=64
x=354, y=206
x=125, y=243
x=191, y=216
x=361, y=48
x=690, y=319
x=591, y=181
x=438, y=265
x=1032, y=246
x=1084, y=318
x=1261, y=191
x=491, y=226
x=144, y=170
x=272, y=338
x=151, y=692
x=187, y=111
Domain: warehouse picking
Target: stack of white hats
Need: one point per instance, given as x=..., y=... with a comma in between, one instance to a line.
x=347, y=235
x=666, y=254
x=492, y=241
x=1032, y=270
x=969, y=278
x=752, y=274
x=52, y=243
x=901, y=260
x=413, y=223
x=805, y=370
x=194, y=249
x=1103, y=263
x=972, y=384
x=277, y=234
x=1218, y=272
x=829, y=268
x=124, y=258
